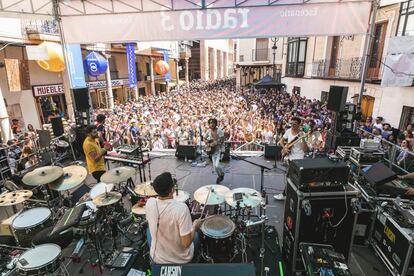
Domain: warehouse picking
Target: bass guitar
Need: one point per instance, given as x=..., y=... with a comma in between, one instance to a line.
x=287, y=149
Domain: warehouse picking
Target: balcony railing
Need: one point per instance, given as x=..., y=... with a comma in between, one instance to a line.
x=261, y=54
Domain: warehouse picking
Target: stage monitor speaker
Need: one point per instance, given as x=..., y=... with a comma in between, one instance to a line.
x=272, y=151
x=337, y=98
x=57, y=126
x=188, y=151
x=44, y=138
x=379, y=174
x=81, y=97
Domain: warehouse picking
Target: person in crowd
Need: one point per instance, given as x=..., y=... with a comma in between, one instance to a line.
x=15, y=126
x=378, y=123
x=100, y=127
x=171, y=234
x=403, y=152
x=94, y=153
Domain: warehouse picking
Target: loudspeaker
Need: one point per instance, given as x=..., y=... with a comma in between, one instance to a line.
x=272, y=151
x=78, y=144
x=337, y=98
x=188, y=151
x=81, y=97
x=57, y=126
x=44, y=138
x=346, y=139
x=379, y=174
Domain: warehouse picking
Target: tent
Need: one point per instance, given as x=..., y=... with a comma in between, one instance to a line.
x=268, y=82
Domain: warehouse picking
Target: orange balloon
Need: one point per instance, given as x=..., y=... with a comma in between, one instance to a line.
x=161, y=67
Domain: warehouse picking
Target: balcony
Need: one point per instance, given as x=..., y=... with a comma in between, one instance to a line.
x=261, y=54
x=39, y=29
x=345, y=69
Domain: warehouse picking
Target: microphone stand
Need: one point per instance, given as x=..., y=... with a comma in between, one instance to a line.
x=201, y=143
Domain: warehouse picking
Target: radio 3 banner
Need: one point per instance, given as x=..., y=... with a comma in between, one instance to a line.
x=167, y=60
x=75, y=66
x=132, y=72
x=120, y=24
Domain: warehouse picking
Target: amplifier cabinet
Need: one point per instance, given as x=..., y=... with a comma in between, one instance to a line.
x=393, y=244
x=316, y=218
x=343, y=152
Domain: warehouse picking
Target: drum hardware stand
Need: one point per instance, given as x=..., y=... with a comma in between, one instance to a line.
x=262, y=246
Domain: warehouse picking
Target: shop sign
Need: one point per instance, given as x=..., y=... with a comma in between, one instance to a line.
x=102, y=84
x=47, y=90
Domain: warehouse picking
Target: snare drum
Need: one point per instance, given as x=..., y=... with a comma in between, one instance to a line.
x=30, y=222
x=217, y=239
x=44, y=259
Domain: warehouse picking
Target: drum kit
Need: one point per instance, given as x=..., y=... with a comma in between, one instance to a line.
x=228, y=216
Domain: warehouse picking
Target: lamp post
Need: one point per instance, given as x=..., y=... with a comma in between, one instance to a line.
x=274, y=48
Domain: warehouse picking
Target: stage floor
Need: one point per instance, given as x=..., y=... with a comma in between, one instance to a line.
x=241, y=174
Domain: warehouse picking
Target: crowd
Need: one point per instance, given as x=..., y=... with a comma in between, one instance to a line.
x=180, y=116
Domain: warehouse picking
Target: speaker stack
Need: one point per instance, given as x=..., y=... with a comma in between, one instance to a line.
x=83, y=117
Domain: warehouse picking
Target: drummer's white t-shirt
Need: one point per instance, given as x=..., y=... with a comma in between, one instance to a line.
x=174, y=221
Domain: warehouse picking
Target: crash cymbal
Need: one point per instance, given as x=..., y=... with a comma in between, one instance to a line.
x=107, y=199
x=138, y=210
x=248, y=197
x=15, y=197
x=145, y=189
x=117, y=175
x=43, y=175
x=214, y=192
x=73, y=176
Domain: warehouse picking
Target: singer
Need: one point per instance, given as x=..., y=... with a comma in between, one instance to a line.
x=215, y=147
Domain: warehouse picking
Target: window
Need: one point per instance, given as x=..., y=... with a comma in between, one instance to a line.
x=406, y=21
x=262, y=49
x=296, y=56
x=241, y=58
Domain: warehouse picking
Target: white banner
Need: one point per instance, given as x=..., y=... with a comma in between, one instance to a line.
x=309, y=19
x=402, y=66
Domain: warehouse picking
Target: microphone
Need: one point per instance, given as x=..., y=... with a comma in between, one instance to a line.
x=176, y=187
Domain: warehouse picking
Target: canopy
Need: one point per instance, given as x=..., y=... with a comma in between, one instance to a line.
x=268, y=82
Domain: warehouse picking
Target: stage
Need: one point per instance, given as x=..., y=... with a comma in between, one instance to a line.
x=238, y=174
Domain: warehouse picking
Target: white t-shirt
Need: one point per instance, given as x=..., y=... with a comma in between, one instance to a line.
x=296, y=150
x=174, y=223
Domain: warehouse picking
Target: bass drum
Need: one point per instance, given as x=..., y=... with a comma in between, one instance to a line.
x=44, y=259
x=30, y=222
x=217, y=239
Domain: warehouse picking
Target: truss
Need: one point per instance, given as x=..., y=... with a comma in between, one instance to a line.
x=90, y=7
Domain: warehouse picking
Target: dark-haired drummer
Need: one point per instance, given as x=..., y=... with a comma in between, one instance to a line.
x=171, y=232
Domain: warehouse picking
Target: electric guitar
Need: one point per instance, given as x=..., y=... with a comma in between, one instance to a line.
x=211, y=146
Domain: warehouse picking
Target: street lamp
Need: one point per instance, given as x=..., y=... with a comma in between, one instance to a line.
x=274, y=48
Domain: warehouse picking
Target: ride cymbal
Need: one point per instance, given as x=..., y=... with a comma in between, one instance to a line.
x=215, y=194
x=43, y=175
x=107, y=199
x=145, y=189
x=118, y=175
x=73, y=176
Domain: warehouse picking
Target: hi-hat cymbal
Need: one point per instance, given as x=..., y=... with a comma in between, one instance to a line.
x=62, y=144
x=73, y=176
x=118, y=175
x=107, y=199
x=145, y=189
x=249, y=198
x=214, y=192
x=43, y=175
x=15, y=197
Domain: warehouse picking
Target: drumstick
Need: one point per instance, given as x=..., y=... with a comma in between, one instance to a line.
x=204, y=207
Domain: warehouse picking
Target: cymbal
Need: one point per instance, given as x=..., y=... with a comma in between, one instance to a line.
x=62, y=144
x=73, y=176
x=15, y=197
x=214, y=192
x=43, y=175
x=145, y=189
x=250, y=198
x=117, y=175
x=106, y=199
x=182, y=196
x=138, y=210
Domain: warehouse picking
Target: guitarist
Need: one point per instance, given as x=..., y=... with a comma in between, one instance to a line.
x=215, y=146
x=293, y=145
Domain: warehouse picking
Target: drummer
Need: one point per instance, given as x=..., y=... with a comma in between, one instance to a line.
x=171, y=236
x=94, y=153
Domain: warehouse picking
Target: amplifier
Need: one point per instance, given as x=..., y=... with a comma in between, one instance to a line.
x=127, y=149
x=361, y=156
x=393, y=244
x=239, y=269
x=308, y=173
x=343, y=152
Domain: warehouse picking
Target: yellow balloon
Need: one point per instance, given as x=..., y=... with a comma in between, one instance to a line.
x=56, y=62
